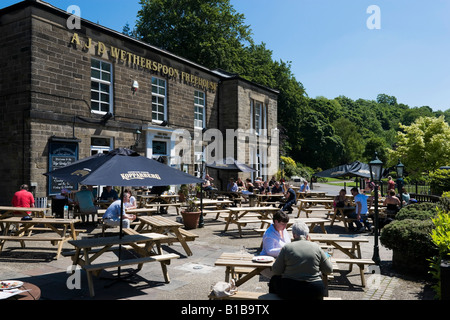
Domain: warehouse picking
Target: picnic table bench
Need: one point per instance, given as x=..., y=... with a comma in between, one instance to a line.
x=6, y=211
x=244, y=215
x=64, y=230
x=310, y=205
x=167, y=227
x=84, y=255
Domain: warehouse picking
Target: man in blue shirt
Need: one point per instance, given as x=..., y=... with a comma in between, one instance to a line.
x=362, y=210
x=304, y=187
x=232, y=186
x=112, y=214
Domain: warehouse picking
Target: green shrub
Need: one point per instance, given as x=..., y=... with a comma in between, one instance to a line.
x=409, y=236
x=417, y=211
x=440, y=181
x=440, y=236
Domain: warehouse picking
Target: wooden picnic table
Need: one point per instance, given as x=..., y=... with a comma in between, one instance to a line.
x=6, y=211
x=219, y=204
x=309, y=194
x=354, y=252
x=243, y=260
x=146, y=200
x=308, y=205
x=141, y=211
x=158, y=224
x=264, y=199
x=312, y=222
x=243, y=215
x=88, y=250
x=24, y=230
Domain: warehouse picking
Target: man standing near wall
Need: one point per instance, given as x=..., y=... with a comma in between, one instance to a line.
x=23, y=198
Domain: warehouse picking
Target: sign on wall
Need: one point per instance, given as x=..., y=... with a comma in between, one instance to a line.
x=61, y=154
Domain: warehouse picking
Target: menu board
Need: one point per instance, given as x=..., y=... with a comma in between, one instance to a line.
x=60, y=155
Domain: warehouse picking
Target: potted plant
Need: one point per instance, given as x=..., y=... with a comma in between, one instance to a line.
x=191, y=214
x=183, y=193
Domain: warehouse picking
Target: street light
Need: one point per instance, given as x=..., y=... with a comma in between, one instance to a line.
x=376, y=171
x=400, y=168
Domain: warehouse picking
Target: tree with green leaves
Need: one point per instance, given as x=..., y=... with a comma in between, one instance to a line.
x=208, y=32
x=423, y=146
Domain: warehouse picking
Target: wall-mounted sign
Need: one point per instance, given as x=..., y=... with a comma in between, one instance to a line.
x=61, y=154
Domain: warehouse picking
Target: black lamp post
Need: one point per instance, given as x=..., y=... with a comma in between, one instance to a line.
x=376, y=170
x=400, y=168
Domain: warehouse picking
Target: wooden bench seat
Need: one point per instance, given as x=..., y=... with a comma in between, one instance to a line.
x=308, y=211
x=188, y=236
x=216, y=211
x=271, y=203
x=139, y=261
x=32, y=238
x=249, y=295
x=361, y=263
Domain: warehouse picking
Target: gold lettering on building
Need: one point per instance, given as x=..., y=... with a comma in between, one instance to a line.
x=121, y=56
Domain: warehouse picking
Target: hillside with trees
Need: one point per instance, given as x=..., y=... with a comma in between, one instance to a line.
x=316, y=132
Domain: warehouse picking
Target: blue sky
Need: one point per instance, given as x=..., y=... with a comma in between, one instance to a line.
x=332, y=50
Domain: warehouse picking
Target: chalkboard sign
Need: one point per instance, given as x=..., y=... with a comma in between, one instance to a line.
x=60, y=155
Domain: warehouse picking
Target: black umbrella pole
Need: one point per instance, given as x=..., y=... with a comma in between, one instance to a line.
x=201, y=223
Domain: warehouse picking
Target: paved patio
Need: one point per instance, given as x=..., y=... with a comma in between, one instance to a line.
x=192, y=277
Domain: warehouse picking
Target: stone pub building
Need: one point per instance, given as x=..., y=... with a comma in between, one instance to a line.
x=66, y=94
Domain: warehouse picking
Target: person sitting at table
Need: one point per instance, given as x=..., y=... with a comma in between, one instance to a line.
x=276, y=188
x=341, y=201
x=405, y=197
x=158, y=190
x=207, y=183
x=392, y=204
x=131, y=203
x=272, y=181
x=291, y=199
x=112, y=215
x=264, y=188
x=109, y=193
x=304, y=187
x=276, y=236
x=240, y=183
x=249, y=185
x=84, y=199
x=23, y=199
x=232, y=186
x=299, y=267
x=369, y=185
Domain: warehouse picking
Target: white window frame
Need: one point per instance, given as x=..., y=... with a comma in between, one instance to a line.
x=159, y=97
x=199, y=109
x=101, y=81
x=258, y=116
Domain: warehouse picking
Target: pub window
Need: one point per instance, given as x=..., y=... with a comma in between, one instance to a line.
x=159, y=99
x=101, y=145
x=101, y=87
x=199, y=109
x=258, y=117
